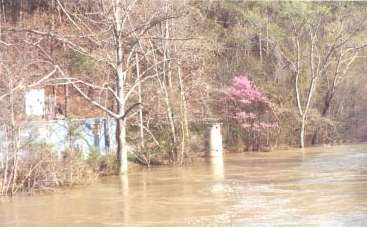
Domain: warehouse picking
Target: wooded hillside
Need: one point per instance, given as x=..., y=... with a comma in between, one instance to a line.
x=163, y=69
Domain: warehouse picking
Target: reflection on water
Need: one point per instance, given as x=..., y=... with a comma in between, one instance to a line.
x=321, y=186
x=217, y=168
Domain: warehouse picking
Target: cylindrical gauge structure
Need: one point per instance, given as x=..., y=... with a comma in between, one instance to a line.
x=216, y=146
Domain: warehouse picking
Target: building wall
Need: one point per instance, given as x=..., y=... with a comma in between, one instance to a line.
x=64, y=101
x=86, y=135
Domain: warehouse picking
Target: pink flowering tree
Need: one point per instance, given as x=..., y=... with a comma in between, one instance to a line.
x=250, y=110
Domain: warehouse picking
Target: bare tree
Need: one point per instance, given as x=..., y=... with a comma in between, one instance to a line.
x=110, y=39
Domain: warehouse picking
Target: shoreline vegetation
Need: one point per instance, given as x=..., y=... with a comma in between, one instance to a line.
x=44, y=172
x=88, y=87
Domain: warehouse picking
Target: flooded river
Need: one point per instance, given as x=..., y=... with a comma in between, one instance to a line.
x=318, y=186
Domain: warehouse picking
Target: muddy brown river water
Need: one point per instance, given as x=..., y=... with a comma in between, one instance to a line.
x=317, y=186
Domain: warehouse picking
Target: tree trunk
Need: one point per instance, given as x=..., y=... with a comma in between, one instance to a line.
x=120, y=82
x=302, y=132
x=121, y=124
x=121, y=145
x=171, y=122
x=145, y=156
x=167, y=75
x=140, y=101
x=184, y=120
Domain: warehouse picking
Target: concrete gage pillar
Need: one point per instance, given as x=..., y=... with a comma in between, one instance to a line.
x=216, y=147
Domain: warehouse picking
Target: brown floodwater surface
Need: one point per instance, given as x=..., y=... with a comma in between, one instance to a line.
x=317, y=186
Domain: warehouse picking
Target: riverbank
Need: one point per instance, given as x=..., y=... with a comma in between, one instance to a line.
x=48, y=174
